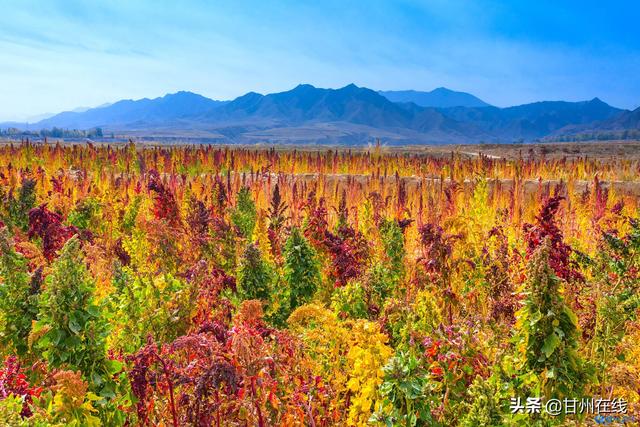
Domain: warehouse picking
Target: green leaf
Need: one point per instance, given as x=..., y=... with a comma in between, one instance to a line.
x=535, y=317
x=571, y=315
x=74, y=326
x=108, y=391
x=550, y=344
x=113, y=366
x=93, y=310
x=96, y=378
x=56, y=336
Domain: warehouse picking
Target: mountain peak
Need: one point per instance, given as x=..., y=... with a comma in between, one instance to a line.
x=248, y=97
x=440, y=97
x=183, y=94
x=350, y=86
x=302, y=86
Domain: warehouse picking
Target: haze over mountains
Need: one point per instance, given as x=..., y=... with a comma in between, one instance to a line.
x=349, y=115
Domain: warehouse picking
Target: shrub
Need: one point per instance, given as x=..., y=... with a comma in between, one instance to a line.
x=547, y=330
x=18, y=296
x=254, y=275
x=301, y=269
x=244, y=214
x=19, y=208
x=70, y=330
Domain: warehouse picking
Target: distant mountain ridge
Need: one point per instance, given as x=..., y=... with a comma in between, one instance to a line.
x=438, y=98
x=624, y=126
x=168, y=107
x=349, y=115
x=306, y=103
x=627, y=120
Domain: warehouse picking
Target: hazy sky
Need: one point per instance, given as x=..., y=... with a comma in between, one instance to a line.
x=59, y=55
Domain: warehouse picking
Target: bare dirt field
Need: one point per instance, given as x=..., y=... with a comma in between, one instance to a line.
x=606, y=150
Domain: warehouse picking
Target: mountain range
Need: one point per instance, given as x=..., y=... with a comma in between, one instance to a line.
x=349, y=115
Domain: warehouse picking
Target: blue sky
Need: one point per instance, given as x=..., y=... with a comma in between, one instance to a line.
x=59, y=55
